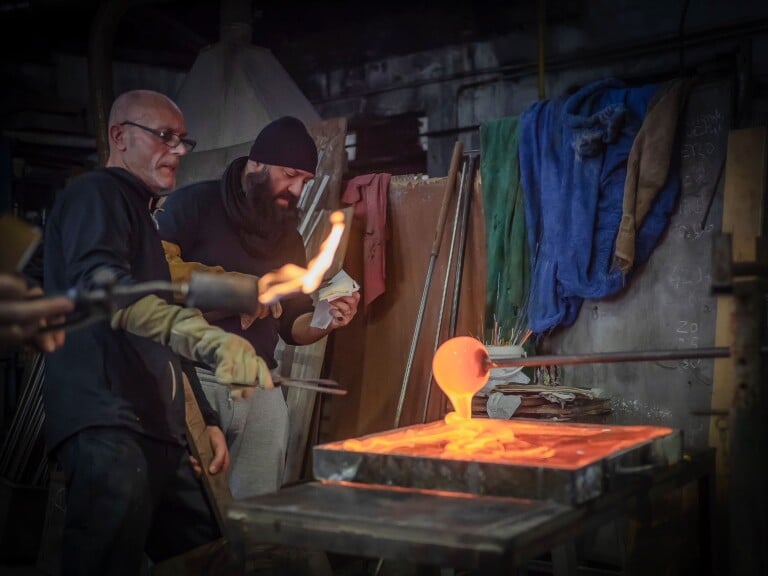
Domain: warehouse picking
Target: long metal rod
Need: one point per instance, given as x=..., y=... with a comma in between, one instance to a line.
x=322, y=385
x=23, y=413
x=608, y=357
x=444, y=297
x=458, y=150
x=458, y=277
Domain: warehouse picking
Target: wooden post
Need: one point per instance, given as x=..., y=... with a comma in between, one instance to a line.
x=743, y=202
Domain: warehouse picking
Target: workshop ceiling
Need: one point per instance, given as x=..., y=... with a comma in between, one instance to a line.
x=305, y=36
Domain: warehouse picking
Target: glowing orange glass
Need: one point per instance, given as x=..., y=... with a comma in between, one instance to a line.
x=459, y=369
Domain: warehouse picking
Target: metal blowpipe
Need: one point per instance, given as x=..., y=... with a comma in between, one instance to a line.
x=606, y=357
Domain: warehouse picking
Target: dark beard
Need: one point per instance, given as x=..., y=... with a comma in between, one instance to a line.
x=267, y=222
x=253, y=213
x=267, y=218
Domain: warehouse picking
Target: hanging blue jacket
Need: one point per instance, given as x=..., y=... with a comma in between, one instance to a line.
x=573, y=158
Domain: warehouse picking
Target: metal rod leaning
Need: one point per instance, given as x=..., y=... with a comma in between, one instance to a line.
x=457, y=279
x=443, y=298
x=22, y=414
x=450, y=187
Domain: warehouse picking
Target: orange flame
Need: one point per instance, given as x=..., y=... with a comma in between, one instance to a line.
x=291, y=279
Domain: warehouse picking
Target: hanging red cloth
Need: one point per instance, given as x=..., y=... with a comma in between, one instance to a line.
x=368, y=194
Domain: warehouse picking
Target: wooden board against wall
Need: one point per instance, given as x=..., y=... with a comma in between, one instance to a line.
x=307, y=361
x=330, y=136
x=743, y=218
x=369, y=356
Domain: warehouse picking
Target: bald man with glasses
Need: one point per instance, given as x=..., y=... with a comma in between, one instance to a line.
x=113, y=393
x=171, y=139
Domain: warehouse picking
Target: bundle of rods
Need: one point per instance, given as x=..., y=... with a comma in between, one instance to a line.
x=23, y=457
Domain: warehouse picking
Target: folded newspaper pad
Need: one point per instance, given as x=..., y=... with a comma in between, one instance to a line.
x=340, y=285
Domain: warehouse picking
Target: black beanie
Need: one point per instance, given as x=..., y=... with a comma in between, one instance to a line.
x=285, y=142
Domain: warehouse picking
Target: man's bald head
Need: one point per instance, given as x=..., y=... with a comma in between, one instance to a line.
x=134, y=105
x=139, y=123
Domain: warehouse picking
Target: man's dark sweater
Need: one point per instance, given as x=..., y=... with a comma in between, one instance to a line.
x=103, y=377
x=194, y=218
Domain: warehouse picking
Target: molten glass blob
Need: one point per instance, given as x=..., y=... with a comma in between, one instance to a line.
x=460, y=370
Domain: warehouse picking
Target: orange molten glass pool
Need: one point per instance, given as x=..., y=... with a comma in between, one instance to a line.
x=548, y=444
x=461, y=369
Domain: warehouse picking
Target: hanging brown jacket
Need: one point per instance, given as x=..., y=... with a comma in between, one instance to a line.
x=648, y=165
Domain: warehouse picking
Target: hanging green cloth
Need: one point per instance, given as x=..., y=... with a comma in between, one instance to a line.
x=508, y=259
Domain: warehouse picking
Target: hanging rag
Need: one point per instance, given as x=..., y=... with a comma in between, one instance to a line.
x=648, y=167
x=573, y=165
x=368, y=194
x=508, y=272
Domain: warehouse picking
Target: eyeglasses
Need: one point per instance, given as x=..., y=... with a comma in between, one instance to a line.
x=170, y=138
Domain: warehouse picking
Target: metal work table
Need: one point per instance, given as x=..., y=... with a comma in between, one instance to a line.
x=494, y=535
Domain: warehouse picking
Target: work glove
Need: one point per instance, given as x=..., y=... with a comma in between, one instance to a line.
x=188, y=334
x=181, y=271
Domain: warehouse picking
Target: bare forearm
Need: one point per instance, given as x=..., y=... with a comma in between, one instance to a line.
x=305, y=334
x=342, y=312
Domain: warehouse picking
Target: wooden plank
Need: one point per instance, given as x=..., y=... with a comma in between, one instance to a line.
x=743, y=218
x=330, y=136
x=307, y=361
x=216, y=486
x=347, y=359
x=745, y=184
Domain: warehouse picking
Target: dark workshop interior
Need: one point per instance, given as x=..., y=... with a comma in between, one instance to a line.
x=535, y=346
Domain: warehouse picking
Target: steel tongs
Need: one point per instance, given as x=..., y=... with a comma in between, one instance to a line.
x=322, y=385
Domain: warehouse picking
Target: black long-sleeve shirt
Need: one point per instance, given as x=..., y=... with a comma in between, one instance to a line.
x=193, y=217
x=103, y=377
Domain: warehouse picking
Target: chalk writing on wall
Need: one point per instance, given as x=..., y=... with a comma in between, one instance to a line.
x=708, y=124
x=688, y=337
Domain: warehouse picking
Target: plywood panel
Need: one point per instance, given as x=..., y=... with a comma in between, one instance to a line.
x=369, y=356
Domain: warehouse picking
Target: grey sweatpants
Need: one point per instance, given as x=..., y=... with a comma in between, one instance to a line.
x=256, y=429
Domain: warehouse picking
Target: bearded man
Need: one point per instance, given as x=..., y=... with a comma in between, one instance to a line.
x=246, y=223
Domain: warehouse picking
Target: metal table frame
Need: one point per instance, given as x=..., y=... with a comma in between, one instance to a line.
x=402, y=524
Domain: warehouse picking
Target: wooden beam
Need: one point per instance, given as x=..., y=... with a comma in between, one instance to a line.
x=307, y=361
x=744, y=219
x=217, y=485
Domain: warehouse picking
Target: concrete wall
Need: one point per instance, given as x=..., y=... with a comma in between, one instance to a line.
x=667, y=303
x=464, y=85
